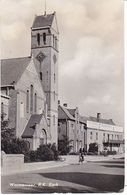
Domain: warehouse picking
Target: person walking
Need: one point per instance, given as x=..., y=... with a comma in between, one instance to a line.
x=81, y=156
x=84, y=153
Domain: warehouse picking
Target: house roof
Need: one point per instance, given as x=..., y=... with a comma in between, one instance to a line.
x=64, y=113
x=30, y=127
x=72, y=111
x=83, y=119
x=105, y=121
x=12, y=69
x=43, y=20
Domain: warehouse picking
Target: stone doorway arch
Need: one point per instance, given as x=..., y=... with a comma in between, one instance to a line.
x=43, y=137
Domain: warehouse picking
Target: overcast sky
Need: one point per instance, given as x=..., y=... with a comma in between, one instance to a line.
x=90, y=44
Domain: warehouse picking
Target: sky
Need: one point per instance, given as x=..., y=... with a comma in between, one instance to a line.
x=91, y=61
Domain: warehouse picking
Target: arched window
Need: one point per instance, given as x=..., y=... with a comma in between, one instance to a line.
x=91, y=135
x=54, y=95
x=54, y=78
x=53, y=40
x=44, y=38
x=47, y=76
x=108, y=137
x=31, y=99
x=38, y=38
x=21, y=109
x=27, y=101
x=53, y=119
x=43, y=137
x=35, y=102
x=41, y=76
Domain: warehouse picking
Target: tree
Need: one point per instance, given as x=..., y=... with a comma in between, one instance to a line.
x=9, y=143
x=64, y=146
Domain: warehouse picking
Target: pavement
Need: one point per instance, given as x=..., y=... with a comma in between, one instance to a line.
x=65, y=160
x=102, y=176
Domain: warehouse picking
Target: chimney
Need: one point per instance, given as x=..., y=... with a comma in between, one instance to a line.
x=65, y=104
x=58, y=102
x=98, y=116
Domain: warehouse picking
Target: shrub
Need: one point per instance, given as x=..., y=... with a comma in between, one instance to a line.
x=56, y=153
x=93, y=147
x=14, y=146
x=111, y=152
x=10, y=144
x=44, y=153
x=31, y=156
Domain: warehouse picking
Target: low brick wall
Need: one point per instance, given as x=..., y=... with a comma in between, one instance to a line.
x=11, y=162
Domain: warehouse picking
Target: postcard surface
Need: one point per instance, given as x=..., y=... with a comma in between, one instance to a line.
x=62, y=96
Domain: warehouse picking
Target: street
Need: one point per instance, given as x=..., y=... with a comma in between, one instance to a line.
x=99, y=176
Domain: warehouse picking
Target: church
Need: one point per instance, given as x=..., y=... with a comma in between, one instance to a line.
x=29, y=86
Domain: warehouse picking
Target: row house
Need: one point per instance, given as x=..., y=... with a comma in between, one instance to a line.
x=105, y=133
x=83, y=131
x=71, y=126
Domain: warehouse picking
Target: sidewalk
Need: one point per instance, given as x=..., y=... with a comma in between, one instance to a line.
x=67, y=160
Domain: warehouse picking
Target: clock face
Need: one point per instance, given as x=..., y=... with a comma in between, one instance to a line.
x=40, y=57
x=54, y=58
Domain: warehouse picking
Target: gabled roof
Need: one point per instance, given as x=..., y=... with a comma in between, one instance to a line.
x=30, y=128
x=12, y=69
x=63, y=113
x=72, y=111
x=43, y=20
x=104, y=121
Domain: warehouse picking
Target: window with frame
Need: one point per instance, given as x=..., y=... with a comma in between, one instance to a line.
x=38, y=38
x=27, y=101
x=103, y=136
x=31, y=99
x=53, y=119
x=44, y=38
x=53, y=40
x=108, y=137
x=47, y=75
x=54, y=95
x=41, y=76
x=54, y=78
x=96, y=136
x=35, y=103
x=21, y=109
x=91, y=135
x=72, y=126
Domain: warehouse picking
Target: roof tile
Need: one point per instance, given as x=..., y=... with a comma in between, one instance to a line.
x=12, y=69
x=30, y=127
x=43, y=20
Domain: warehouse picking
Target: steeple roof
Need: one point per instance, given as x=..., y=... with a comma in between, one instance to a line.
x=43, y=20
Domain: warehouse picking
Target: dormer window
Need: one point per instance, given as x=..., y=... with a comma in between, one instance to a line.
x=44, y=38
x=38, y=38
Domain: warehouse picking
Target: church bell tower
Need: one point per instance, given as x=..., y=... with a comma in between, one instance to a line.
x=44, y=48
